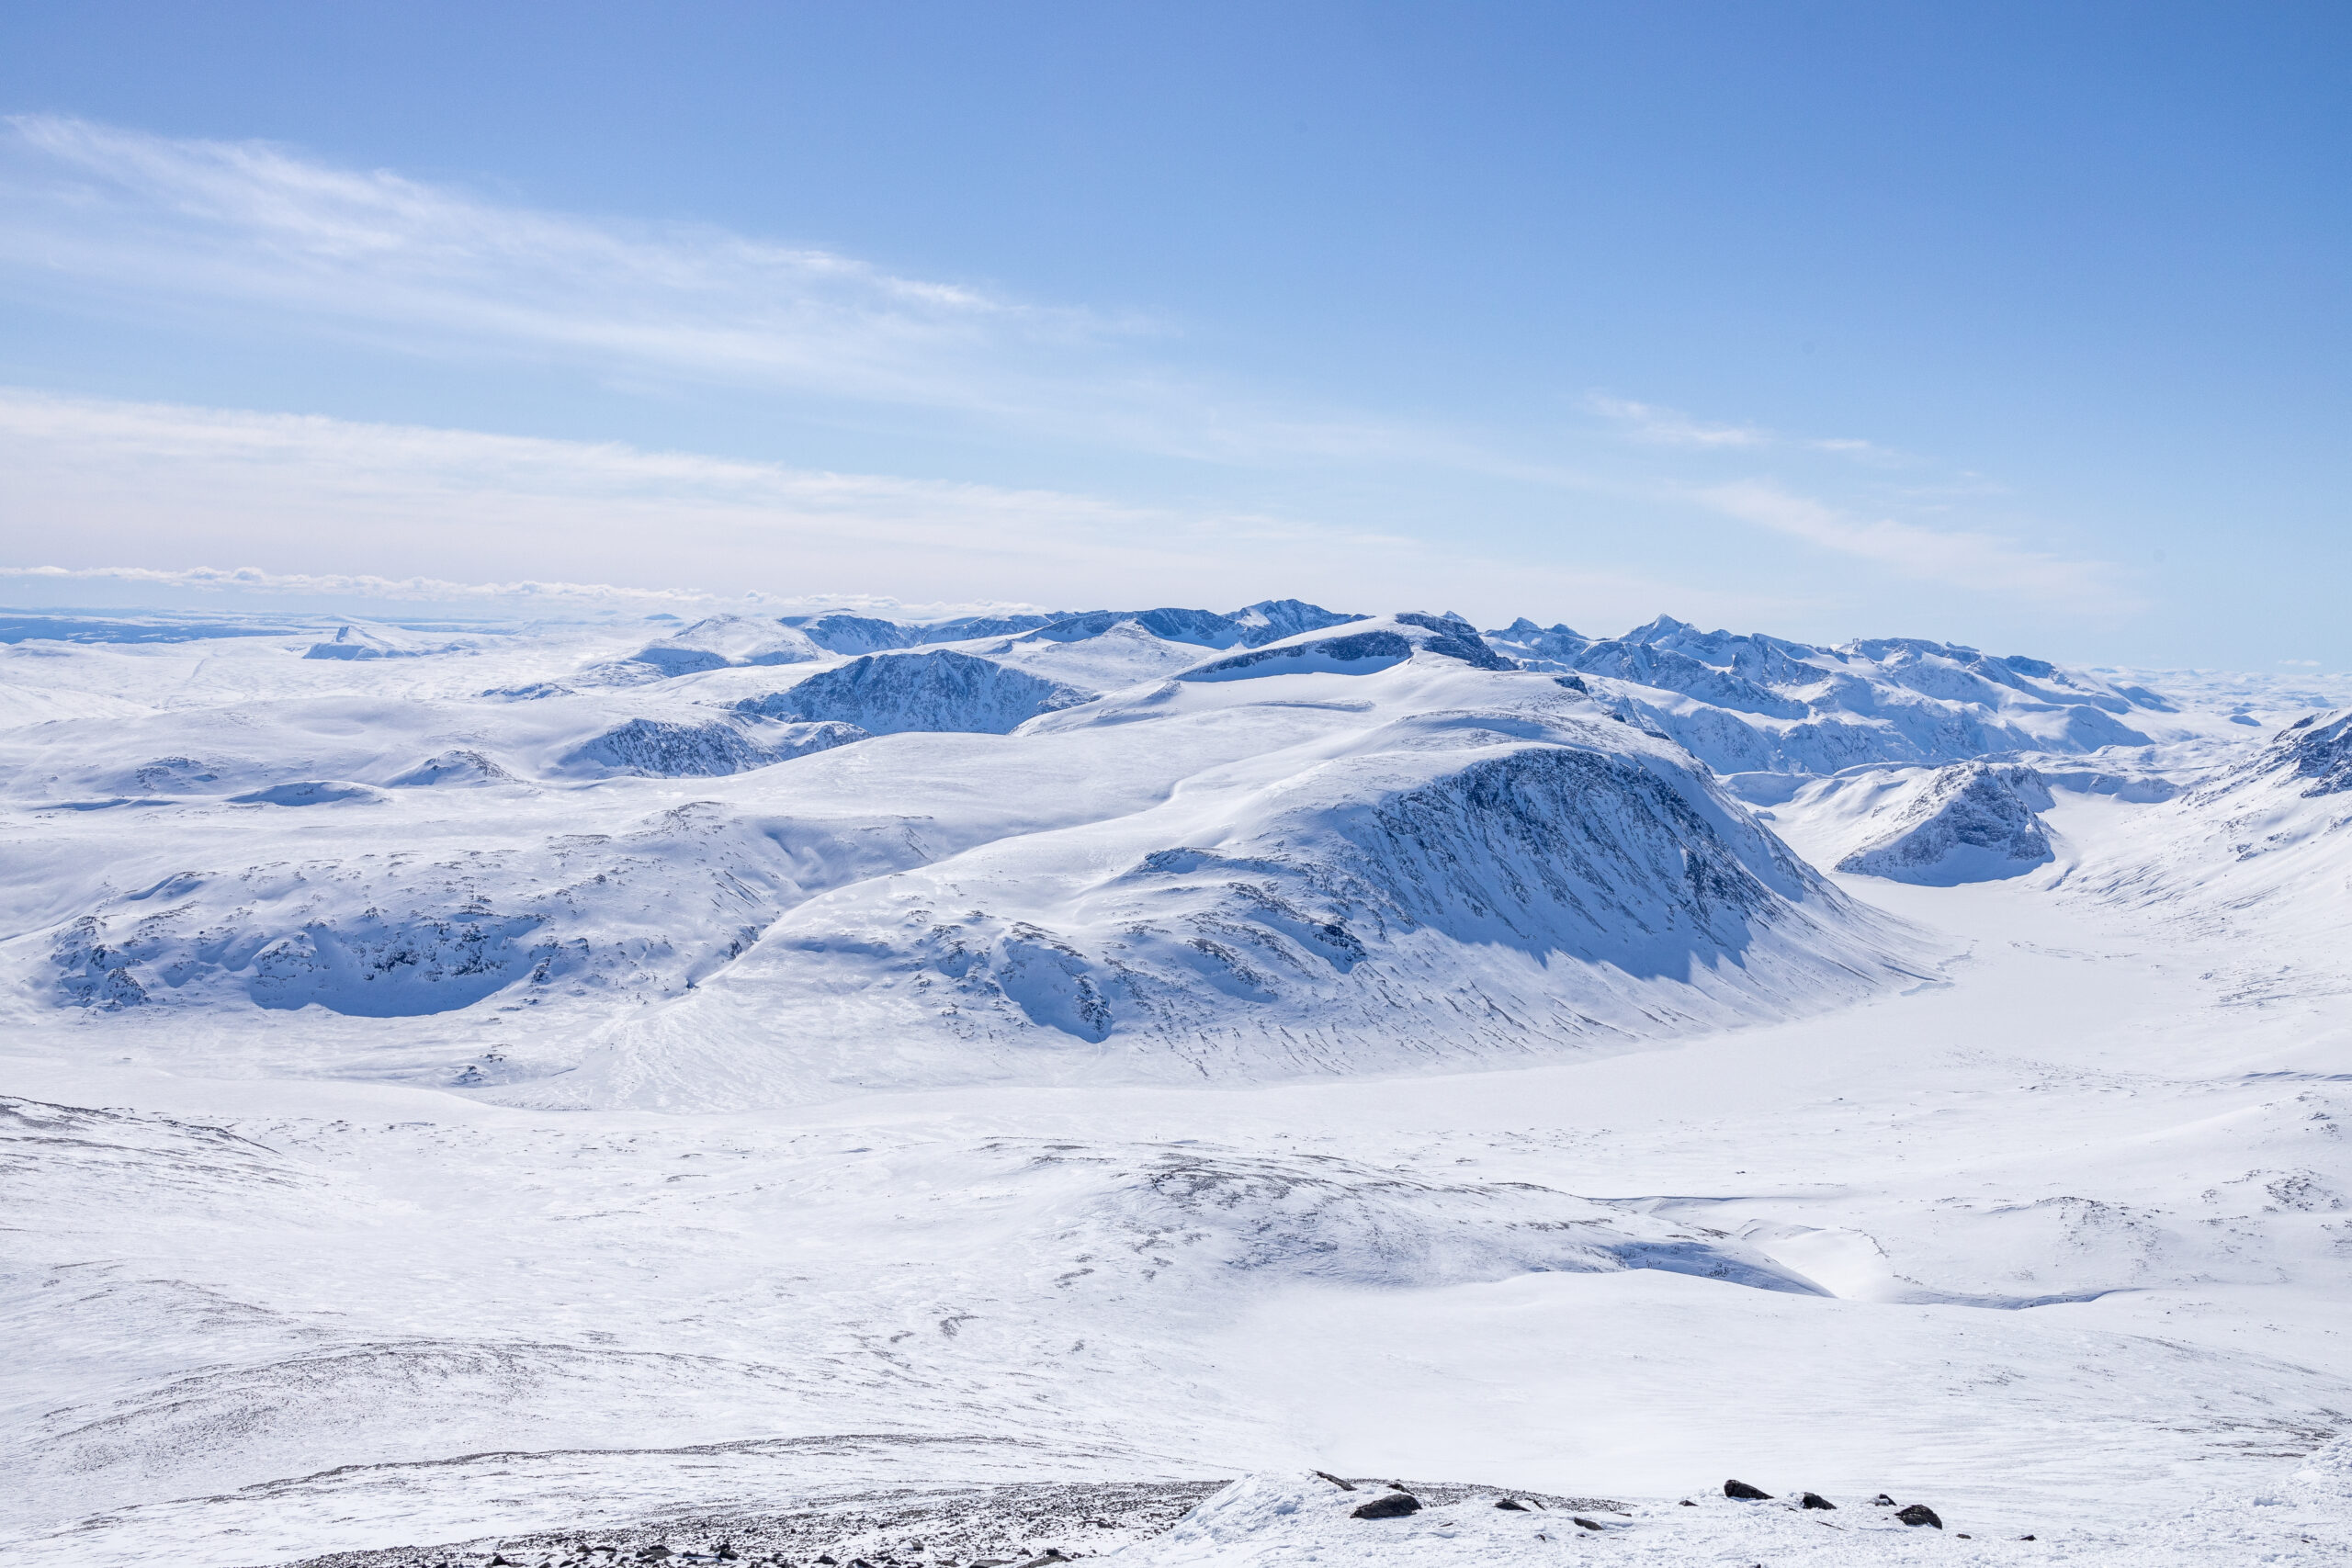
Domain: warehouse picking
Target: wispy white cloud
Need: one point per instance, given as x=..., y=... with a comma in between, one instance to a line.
x=1671, y=427
x=1978, y=561
x=94, y=484
x=415, y=269
x=419, y=267
x=1654, y=425
x=259, y=224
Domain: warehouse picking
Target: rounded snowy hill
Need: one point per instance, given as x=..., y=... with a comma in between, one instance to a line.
x=1083, y=849
x=1350, y=850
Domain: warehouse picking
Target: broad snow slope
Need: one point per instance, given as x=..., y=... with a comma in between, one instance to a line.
x=2051, y=1235
x=2068, y=1227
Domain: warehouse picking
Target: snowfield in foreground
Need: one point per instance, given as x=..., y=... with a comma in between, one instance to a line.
x=536, y=1089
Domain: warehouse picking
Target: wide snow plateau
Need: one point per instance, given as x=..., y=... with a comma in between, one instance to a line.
x=1296, y=1042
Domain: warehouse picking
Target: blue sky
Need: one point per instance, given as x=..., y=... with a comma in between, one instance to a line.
x=2020, y=325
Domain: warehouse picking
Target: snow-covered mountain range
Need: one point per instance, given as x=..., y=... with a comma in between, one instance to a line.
x=1078, y=1045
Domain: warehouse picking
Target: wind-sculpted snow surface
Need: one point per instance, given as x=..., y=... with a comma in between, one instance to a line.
x=2261, y=845
x=525, y=1094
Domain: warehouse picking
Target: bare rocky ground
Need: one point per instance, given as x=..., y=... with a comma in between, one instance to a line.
x=1008, y=1526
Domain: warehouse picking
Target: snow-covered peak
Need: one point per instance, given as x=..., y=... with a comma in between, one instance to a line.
x=1271, y=620
x=724, y=640
x=1968, y=822
x=1538, y=647
x=1360, y=647
x=850, y=634
x=351, y=642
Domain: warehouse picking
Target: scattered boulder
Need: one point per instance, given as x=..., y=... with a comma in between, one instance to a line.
x=1919, y=1513
x=1814, y=1500
x=1395, y=1506
x=1741, y=1489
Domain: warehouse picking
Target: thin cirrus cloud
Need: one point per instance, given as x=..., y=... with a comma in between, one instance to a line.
x=257, y=223
x=127, y=216
x=1655, y=425
x=98, y=209
x=331, y=506
x=1985, y=563
x=1671, y=427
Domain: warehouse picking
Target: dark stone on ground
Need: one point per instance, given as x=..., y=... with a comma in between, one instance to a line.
x=1815, y=1500
x=1743, y=1490
x=1002, y=1523
x=1395, y=1506
x=1921, y=1514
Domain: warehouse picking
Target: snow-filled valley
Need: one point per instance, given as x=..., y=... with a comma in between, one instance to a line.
x=543, y=1087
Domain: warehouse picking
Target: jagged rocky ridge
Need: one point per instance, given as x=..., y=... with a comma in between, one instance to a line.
x=1757, y=704
x=2315, y=749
